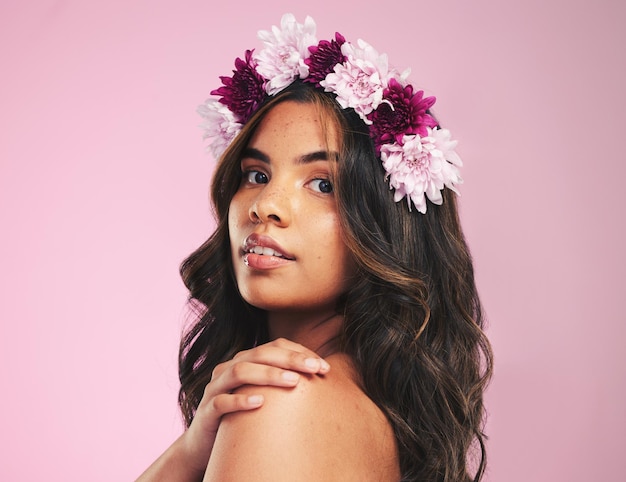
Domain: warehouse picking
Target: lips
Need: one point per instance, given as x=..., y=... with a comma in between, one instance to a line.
x=265, y=246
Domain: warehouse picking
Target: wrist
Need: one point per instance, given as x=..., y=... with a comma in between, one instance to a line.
x=176, y=463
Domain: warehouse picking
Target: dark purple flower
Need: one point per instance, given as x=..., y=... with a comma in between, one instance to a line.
x=401, y=113
x=244, y=91
x=323, y=59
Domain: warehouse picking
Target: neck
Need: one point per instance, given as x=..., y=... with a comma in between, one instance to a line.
x=316, y=331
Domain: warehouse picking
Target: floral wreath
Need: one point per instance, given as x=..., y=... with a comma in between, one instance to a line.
x=418, y=156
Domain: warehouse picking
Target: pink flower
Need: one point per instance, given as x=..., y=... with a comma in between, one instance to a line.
x=418, y=157
x=420, y=167
x=244, y=91
x=400, y=113
x=360, y=81
x=324, y=56
x=282, y=59
x=219, y=124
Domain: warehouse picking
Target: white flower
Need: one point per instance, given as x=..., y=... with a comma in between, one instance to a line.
x=359, y=82
x=420, y=161
x=444, y=146
x=282, y=59
x=420, y=167
x=219, y=124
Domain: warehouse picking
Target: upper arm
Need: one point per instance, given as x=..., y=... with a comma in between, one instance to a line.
x=318, y=430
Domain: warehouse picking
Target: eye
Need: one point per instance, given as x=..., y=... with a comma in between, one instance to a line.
x=255, y=177
x=322, y=185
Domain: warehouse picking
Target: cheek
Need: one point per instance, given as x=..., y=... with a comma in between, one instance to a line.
x=235, y=222
x=343, y=256
x=236, y=213
x=333, y=248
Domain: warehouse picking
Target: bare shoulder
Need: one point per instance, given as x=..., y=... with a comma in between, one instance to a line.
x=325, y=428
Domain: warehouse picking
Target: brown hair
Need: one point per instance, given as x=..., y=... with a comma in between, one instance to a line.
x=412, y=322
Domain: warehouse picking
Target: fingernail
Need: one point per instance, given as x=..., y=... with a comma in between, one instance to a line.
x=290, y=376
x=312, y=363
x=325, y=365
x=255, y=399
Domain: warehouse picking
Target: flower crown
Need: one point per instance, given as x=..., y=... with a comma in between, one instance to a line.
x=417, y=155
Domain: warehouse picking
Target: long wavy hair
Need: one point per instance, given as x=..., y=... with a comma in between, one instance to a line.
x=413, y=323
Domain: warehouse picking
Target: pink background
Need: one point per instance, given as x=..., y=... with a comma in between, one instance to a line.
x=103, y=191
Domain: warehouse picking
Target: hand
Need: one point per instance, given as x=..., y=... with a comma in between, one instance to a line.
x=278, y=363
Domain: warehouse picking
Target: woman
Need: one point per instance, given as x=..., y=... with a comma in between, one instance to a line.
x=315, y=264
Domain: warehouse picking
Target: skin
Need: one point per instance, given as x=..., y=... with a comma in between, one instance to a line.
x=325, y=428
x=280, y=363
x=284, y=203
x=279, y=407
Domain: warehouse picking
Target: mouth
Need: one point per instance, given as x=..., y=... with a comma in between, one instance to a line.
x=265, y=246
x=265, y=251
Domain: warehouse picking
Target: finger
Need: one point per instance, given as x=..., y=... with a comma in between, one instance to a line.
x=232, y=375
x=210, y=411
x=292, y=345
x=228, y=403
x=248, y=373
x=280, y=343
x=289, y=356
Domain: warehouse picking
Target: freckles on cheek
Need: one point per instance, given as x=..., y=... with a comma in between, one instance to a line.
x=235, y=220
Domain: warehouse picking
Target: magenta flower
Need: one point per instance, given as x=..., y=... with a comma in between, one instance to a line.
x=400, y=113
x=418, y=157
x=324, y=57
x=244, y=91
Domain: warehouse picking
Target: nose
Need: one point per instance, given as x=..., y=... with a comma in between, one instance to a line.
x=271, y=205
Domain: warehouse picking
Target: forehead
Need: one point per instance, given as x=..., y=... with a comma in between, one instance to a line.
x=295, y=125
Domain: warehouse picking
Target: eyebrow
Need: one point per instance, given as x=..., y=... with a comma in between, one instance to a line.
x=253, y=153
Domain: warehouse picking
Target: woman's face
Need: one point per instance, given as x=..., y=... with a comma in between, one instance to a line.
x=286, y=244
